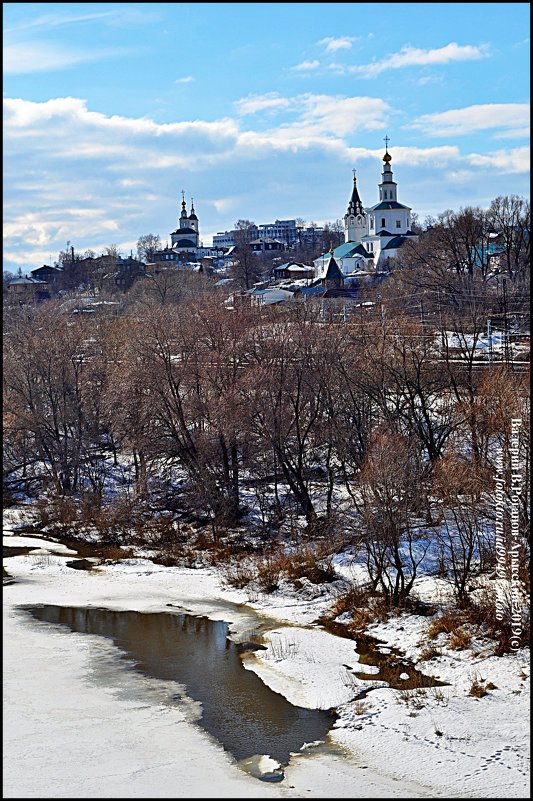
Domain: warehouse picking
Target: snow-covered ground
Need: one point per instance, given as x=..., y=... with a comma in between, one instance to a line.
x=79, y=724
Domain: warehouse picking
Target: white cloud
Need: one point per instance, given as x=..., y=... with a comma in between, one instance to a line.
x=342, y=115
x=224, y=204
x=57, y=20
x=513, y=117
x=186, y=79
x=333, y=44
x=306, y=66
x=29, y=57
x=79, y=175
x=514, y=133
x=414, y=56
x=254, y=103
x=508, y=161
x=120, y=15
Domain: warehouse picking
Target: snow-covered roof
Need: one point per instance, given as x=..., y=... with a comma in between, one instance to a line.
x=24, y=281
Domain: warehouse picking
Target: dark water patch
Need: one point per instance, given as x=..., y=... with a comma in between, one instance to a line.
x=16, y=550
x=80, y=564
x=390, y=661
x=238, y=709
x=82, y=548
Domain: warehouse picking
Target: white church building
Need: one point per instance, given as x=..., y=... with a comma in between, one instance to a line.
x=372, y=235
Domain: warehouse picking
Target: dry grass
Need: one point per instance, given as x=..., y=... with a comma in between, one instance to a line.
x=269, y=575
x=265, y=572
x=239, y=574
x=364, y=606
x=113, y=553
x=446, y=623
x=477, y=690
x=460, y=640
x=429, y=652
x=415, y=698
x=360, y=708
x=440, y=696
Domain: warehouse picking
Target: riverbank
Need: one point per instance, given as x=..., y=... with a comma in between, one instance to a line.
x=79, y=723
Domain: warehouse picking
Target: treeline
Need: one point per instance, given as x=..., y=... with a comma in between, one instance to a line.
x=360, y=422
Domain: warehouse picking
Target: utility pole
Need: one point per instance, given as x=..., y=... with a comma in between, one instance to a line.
x=440, y=321
x=505, y=329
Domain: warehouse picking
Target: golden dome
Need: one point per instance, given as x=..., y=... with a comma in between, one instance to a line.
x=387, y=158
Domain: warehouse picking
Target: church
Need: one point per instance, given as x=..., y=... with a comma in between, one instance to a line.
x=372, y=235
x=185, y=245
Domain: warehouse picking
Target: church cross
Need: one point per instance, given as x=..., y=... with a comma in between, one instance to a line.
x=386, y=140
x=353, y=172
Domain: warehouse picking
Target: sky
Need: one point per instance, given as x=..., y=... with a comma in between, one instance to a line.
x=256, y=110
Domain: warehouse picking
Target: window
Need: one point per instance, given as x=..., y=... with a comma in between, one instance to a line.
x=398, y=223
x=383, y=222
x=372, y=222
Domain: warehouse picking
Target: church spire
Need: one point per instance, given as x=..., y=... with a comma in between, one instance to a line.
x=387, y=187
x=355, y=217
x=183, y=214
x=355, y=206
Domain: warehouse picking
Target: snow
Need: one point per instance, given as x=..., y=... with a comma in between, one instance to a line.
x=96, y=729
x=310, y=667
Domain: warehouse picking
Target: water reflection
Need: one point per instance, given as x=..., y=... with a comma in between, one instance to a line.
x=244, y=715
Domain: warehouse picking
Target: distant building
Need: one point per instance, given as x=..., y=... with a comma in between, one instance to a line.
x=27, y=290
x=292, y=270
x=283, y=230
x=185, y=241
x=265, y=244
x=309, y=235
x=375, y=234
x=332, y=277
x=350, y=256
x=125, y=274
x=225, y=239
x=52, y=276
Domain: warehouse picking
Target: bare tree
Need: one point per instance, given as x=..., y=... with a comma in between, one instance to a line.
x=147, y=245
x=510, y=217
x=390, y=494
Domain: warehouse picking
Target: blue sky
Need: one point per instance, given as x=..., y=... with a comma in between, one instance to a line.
x=257, y=110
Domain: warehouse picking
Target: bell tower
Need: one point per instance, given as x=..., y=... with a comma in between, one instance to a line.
x=355, y=223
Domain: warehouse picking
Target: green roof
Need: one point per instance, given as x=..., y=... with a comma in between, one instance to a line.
x=346, y=250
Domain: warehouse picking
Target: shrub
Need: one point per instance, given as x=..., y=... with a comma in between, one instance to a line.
x=311, y=563
x=483, y=609
x=269, y=574
x=460, y=640
x=113, y=553
x=239, y=574
x=60, y=512
x=445, y=623
x=477, y=690
x=364, y=606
